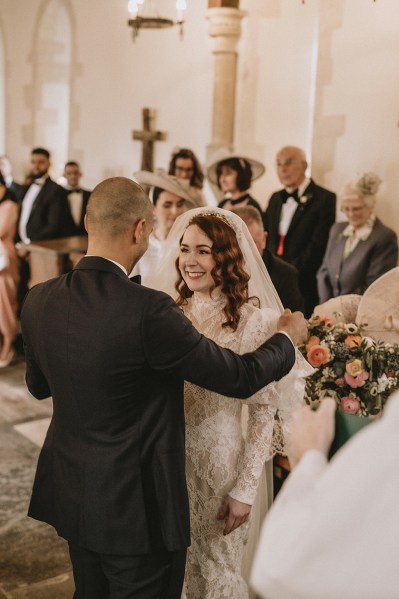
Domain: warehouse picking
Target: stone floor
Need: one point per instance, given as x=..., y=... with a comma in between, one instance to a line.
x=34, y=561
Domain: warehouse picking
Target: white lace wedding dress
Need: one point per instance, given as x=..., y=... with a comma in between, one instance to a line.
x=219, y=462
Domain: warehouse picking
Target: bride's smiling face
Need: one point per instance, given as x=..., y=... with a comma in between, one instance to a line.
x=196, y=260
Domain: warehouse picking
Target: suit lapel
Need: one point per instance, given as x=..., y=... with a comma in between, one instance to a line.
x=302, y=207
x=39, y=197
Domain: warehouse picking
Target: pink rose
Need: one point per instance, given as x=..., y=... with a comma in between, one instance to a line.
x=356, y=381
x=313, y=340
x=318, y=355
x=340, y=382
x=350, y=405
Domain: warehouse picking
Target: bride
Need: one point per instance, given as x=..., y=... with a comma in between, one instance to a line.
x=212, y=268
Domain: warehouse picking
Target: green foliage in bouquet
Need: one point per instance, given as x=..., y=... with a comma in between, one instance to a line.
x=357, y=371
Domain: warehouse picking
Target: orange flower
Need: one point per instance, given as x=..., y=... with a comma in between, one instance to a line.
x=353, y=341
x=313, y=340
x=326, y=320
x=318, y=355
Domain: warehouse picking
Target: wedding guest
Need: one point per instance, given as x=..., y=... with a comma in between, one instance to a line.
x=221, y=285
x=283, y=275
x=298, y=219
x=233, y=174
x=77, y=196
x=114, y=356
x=185, y=165
x=6, y=171
x=44, y=207
x=170, y=197
x=333, y=530
x=9, y=274
x=360, y=250
x=44, y=213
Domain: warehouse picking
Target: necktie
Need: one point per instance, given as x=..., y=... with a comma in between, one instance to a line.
x=287, y=194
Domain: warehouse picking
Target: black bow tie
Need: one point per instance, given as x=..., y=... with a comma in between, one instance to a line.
x=136, y=279
x=77, y=190
x=289, y=194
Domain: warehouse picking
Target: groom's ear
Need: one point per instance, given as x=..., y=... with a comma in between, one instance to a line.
x=139, y=230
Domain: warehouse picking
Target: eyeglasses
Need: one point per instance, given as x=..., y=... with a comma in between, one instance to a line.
x=353, y=209
x=287, y=162
x=184, y=169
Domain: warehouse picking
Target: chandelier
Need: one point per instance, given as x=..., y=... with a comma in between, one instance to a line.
x=144, y=15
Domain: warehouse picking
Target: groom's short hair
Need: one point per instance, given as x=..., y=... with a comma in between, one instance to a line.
x=116, y=204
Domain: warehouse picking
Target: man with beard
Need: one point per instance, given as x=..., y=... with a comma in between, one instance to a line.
x=44, y=206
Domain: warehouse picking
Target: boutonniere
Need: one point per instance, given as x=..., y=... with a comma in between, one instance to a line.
x=305, y=198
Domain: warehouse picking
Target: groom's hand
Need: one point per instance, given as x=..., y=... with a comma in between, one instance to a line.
x=294, y=324
x=234, y=512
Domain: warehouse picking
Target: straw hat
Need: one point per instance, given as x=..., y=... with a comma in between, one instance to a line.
x=222, y=154
x=180, y=187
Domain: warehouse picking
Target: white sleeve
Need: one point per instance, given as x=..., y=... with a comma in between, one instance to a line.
x=333, y=530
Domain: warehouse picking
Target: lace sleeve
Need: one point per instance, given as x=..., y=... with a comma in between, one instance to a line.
x=269, y=410
x=258, y=446
x=287, y=393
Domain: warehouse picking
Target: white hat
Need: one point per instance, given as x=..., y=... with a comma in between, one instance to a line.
x=223, y=154
x=180, y=187
x=379, y=308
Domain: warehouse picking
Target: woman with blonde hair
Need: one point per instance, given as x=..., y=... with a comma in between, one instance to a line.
x=361, y=250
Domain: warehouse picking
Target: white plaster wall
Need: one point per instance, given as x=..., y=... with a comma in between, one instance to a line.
x=322, y=75
x=112, y=80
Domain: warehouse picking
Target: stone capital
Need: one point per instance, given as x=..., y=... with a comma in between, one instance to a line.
x=225, y=27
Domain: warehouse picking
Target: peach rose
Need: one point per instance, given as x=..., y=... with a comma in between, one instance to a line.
x=350, y=405
x=356, y=381
x=354, y=367
x=318, y=355
x=353, y=341
x=313, y=340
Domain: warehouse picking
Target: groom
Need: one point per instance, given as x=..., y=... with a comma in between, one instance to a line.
x=114, y=356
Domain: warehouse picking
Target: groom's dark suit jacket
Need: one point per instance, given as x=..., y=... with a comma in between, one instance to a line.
x=114, y=355
x=307, y=236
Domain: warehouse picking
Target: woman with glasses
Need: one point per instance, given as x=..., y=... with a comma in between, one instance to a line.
x=185, y=165
x=361, y=250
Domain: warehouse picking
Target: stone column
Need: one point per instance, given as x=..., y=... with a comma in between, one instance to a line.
x=225, y=27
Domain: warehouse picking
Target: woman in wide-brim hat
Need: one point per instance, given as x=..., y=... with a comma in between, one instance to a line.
x=171, y=197
x=233, y=174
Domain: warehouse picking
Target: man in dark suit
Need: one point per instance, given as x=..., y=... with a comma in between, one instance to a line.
x=114, y=356
x=298, y=219
x=77, y=196
x=44, y=207
x=284, y=276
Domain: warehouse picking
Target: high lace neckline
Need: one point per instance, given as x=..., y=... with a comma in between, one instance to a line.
x=203, y=307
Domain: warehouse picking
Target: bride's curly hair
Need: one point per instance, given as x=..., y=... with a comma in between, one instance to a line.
x=228, y=273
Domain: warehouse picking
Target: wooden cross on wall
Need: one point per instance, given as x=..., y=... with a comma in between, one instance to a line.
x=148, y=136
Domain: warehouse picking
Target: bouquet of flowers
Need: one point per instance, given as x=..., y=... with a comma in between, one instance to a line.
x=357, y=371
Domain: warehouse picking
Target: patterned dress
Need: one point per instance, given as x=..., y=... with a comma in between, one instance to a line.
x=10, y=276
x=219, y=461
